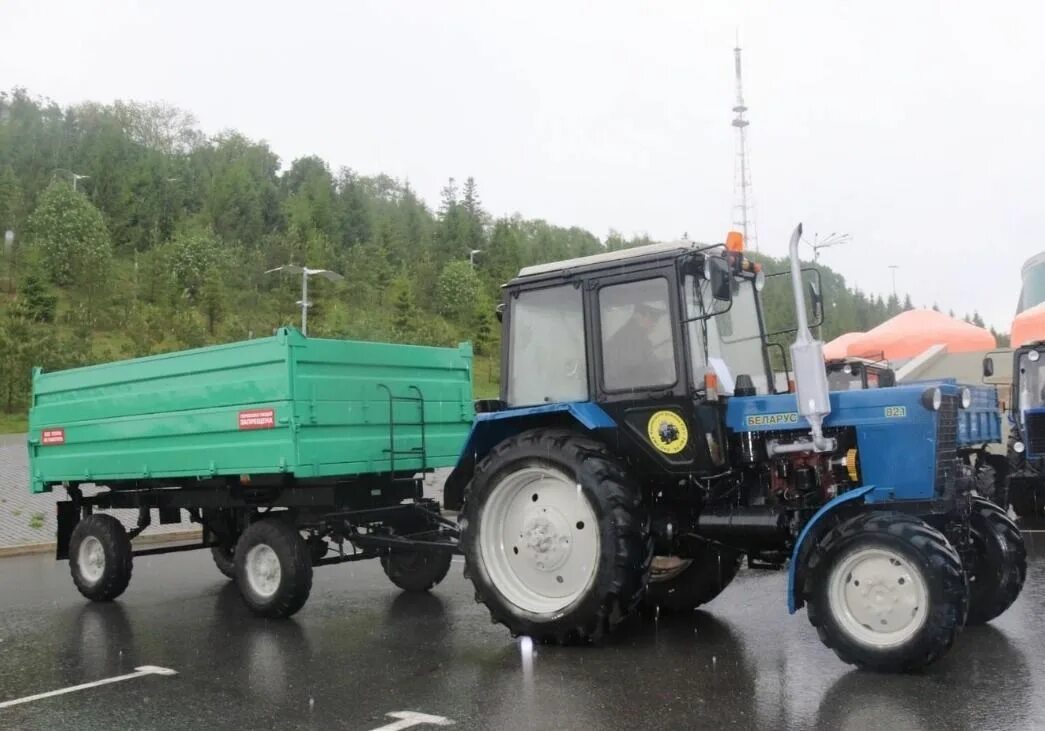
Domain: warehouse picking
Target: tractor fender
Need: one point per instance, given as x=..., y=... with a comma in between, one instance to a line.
x=794, y=602
x=492, y=428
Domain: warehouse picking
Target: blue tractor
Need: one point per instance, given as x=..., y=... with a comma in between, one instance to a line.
x=641, y=450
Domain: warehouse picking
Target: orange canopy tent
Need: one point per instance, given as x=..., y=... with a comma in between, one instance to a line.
x=1029, y=326
x=912, y=332
x=837, y=347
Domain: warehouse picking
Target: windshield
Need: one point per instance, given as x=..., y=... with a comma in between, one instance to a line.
x=734, y=340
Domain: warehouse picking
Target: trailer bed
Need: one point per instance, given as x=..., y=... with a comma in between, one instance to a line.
x=282, y=405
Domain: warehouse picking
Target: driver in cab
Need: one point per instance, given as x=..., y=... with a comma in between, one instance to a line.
x=635, y=355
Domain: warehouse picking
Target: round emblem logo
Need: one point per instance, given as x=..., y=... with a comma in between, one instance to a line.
x=667, y=432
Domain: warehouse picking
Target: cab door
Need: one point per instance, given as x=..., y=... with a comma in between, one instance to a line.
x=641, y=377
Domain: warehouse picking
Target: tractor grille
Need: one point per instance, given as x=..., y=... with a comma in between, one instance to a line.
x=947, y=444
x=1035, y=434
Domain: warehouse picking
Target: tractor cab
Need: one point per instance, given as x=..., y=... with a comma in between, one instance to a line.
x=654, y=335
x=1027, y=398
x=854, y=373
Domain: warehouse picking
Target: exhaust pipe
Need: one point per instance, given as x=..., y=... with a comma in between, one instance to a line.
x=807, y=359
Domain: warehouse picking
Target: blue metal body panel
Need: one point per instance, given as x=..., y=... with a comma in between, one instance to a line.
x=895, y=433
x=792, y=569
x=494, y=427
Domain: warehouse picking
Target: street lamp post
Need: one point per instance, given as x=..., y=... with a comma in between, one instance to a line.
x=75, y=176
x=305, y=273
x=894, y=267
x=832, y=239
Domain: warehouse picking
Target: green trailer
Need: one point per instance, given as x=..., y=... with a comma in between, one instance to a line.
x=291, y=452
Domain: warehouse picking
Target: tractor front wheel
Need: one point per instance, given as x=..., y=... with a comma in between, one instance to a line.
x=556, y=537
x=886, y=592
x=1000, y=565
x=681, y=585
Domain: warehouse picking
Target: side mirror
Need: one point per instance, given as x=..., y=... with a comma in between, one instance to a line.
x=887, y=378
x=499, y=312
x=817, y=301
x=988, y=367
x=720, y=278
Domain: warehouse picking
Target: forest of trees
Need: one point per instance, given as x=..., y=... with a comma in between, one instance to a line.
x=136, y=233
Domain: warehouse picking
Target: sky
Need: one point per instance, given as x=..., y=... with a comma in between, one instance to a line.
x=914, y=127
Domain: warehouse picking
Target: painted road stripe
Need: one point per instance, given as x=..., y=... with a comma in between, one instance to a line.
x=138, y=673
x=408, y=719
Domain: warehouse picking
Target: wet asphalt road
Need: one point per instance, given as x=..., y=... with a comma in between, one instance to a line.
x=361, y=649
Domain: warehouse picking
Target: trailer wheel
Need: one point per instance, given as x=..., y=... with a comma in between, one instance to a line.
x=697, y=581
x=1000, y=564
x=556, y=537
x=416, y=571
x=273, y=568
x=886, y=592
x=100, y=557
x=225, y=559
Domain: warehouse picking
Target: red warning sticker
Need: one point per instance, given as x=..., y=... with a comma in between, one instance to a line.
x=257, y=419
x=52, y=436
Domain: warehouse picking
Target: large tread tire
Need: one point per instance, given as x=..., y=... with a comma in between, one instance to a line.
x=700, y=582
x=625, y=543
x=927, y=551
x=108, y=534
x=990, y=480
x=225, y=560
x=996, y=578
x=416, y=571
x=295, y=568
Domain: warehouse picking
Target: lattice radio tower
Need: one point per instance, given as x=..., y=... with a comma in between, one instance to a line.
x=744, y=203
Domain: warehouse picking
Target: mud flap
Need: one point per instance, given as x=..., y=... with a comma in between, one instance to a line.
x=68, y=518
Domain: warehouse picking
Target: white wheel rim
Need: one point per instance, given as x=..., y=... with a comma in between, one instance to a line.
x=263, y=570
x=878, y=597
x=539, y=540
x=91, y=559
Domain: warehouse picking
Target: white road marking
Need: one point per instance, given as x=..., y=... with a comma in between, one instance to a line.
x=138, y=673
x=411, y=718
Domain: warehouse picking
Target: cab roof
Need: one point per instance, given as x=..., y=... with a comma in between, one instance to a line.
x=667, y=250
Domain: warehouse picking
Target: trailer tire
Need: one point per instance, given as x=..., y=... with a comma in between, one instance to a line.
x=416, y=571
x=914, y=585
x=225, y=559
x=1000, y=565
x=581, y=563
x=273, y=568
x=100, y=557
x=707, y=575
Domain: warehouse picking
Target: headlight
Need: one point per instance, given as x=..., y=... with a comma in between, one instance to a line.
x=1018, y=447
x=760, y=280
x=847, y=369
x=932, y=398
x=1033, y=356
x=966, y=398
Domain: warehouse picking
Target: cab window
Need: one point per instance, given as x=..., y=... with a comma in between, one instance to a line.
x=638, y=347
x=547, y=361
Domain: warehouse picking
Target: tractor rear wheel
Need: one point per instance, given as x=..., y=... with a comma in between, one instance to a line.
x=697, y=581
x=556, y=537
x=886, y=592
x=1000, y=565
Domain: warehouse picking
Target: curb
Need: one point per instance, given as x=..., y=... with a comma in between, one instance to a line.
x=173, y=537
